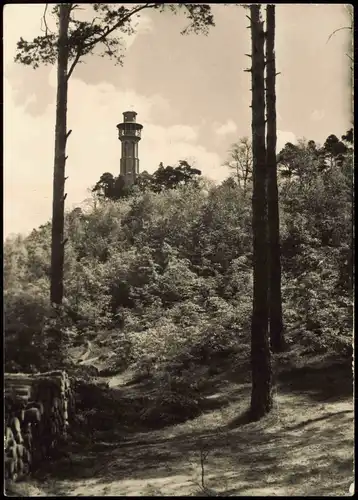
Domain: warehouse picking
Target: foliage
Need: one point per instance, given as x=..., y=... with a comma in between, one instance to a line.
x=317, y=251
x=75, y=39
x=103, y=33
x=306, y=160
x=167, y=277
x=113, y=188
x=240, y=162
x=37, y=338
x=110, y=187
x=172, y=177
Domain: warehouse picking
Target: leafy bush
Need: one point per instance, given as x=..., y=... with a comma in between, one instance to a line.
x=26, y=313
x=169, y=274
x=176, y=396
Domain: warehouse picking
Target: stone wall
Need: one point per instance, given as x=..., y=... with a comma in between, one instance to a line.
x=38, y=411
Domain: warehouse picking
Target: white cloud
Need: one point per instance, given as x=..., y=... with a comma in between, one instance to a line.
x=317, y=115
x=144, y=24
x=227, y=128
x=26, y=21
x=21, y=20
x=171, y=134
x=283, y=137
x=93, y=148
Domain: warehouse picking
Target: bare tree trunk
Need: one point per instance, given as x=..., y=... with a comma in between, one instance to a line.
x=238, y=174
x=245, y=180
x=275, y=299
x=247, y=169
x=58, y=203
x=261, y=396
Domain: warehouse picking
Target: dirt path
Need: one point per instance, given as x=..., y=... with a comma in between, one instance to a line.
x=305, y=447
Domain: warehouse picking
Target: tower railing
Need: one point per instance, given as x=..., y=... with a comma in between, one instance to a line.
x=126, y=132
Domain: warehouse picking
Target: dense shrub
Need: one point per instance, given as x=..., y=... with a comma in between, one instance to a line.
x=26, y=312
x=36, y=337
x=169, y=274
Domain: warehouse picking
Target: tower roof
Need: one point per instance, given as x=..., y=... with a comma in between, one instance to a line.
x=129, y=116
x=129, y=123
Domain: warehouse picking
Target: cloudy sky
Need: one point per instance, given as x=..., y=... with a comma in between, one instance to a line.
x=190, y=92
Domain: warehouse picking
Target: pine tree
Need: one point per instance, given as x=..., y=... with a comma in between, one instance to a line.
x=261, y=396
x=76, y=39
x=275, y=299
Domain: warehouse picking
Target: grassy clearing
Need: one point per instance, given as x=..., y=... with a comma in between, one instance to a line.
x=304, y=447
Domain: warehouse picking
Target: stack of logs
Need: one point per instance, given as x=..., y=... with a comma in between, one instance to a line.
x=38, y=409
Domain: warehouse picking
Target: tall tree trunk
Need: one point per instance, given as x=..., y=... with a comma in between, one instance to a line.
x=58, y=203
x=275, y=300
x=261, y=396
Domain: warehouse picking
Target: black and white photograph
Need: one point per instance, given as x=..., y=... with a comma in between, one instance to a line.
x=178, y=249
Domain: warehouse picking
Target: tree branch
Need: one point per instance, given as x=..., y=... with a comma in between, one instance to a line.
x=336, y=31
x=110, y=51
x=103, y=37
x=74, y=63
x=79, y=53
x=125, y=18
x=43, y=19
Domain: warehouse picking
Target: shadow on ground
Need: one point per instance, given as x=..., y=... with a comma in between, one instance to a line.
x=301, y=460
x=304, y=447
x=328, y=382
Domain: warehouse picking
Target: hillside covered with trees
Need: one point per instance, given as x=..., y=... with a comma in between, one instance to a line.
x=179, y=318
x=159, y=284
x=168, y=267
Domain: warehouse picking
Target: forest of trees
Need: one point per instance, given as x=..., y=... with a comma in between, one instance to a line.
x=112, y=187
x=178, y=297
x=170, y=270
x=75, y=40
x=177, y=267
